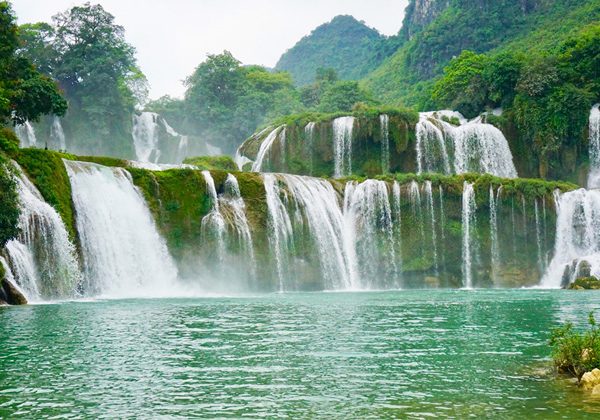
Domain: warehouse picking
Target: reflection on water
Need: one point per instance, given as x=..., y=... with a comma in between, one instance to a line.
x=340, y=355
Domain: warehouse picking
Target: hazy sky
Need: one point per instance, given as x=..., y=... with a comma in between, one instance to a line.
x=173, y=36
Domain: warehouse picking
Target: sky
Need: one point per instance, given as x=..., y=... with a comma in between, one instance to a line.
x=172, y=37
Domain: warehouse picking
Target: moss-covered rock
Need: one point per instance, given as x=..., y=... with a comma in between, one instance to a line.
x=587, y=283
x=47, y=172
x=212, y=163
x=310, y=152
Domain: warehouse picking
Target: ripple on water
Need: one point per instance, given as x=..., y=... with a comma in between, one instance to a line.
x=333, y=355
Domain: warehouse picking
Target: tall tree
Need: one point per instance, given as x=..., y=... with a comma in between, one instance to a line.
x=25, y=94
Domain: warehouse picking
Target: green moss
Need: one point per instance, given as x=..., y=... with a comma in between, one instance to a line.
x=47, y=172
x=211, y=163
x=100, y=160
x=588, y=283
x=9, y=142
x=9, y=203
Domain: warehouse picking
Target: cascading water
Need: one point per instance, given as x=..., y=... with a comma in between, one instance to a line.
x=577, y=245
x=432, y=153
x=319, y=204
x=26, y=134
x=468, y=225
x=182, y=149
x=384, y=123
x=432, y=220
x=214, y=223
x=309, y=139
x=42, y=258
x=280, y=228
x=123, y=253
x=495, y=246
x=594, y=128
x=369, y=218
x=232, y=199
x=469, y=147
x=397, y=221
x=265, y=148
x=482, y=148
x=414, y=195
x=145, y=137
x=342, y=146
x=57, y=135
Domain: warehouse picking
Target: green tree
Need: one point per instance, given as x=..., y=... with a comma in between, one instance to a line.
x=25, y=94
x=342, y=96
x=463, y=85
x=86, y=52
x=225, y=101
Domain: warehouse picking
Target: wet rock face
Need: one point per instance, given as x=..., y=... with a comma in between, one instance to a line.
x=10, y=295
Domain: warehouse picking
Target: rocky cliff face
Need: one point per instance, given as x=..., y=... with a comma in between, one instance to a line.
x=421, y=13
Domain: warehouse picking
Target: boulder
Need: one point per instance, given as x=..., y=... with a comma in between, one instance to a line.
x=590, y=380
x=10, y=294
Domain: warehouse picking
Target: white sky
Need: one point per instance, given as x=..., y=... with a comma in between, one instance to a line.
x=173, y=36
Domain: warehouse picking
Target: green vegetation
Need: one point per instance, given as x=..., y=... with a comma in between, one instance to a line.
x=25, y=94
x=86, y=53
x=428, y=44
x=9, y=203
x=223, y=163
x=349, y=47
x=576, y=352
x=47, y=172
x=585, y=283
x=548, y=97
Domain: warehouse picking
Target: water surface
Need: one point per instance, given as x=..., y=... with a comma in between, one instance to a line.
x=328, y=355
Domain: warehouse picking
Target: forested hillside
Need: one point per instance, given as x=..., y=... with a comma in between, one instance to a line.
x=348, y=46
x=435, y=31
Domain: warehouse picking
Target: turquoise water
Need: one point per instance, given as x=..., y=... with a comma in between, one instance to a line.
x=327, y=355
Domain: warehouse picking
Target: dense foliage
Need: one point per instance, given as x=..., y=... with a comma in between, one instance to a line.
x=225, y=102
x=453, y=26
x=86, y=52
x=576, y=352
x=548, y=94
x=344, y=44
x=25, y=94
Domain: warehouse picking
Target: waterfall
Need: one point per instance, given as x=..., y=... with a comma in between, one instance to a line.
x=432, y=153
x=57, y=135
x=145, y=137
x=280, y=227
x=42, y=259
x=495, y=246
x=369, y=217
x=342, y=146
x=213, y=223
x=240, y=160
x=431, y=210
x=182, y=149
x=26, y=134
x=468, y=225
x=309, y=140
x=397, y=221
x=469, y=147
x=384, y=124
x=594, y=127
x=414, y=195
x=442, y=223
x=232, y=199
x=577, y=238
x=265, y=148
x=538, y=237
x=482, y=148
x=122, y=251
x=319, y=204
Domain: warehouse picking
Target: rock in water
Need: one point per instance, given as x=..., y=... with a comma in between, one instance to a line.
x=10, y=294
x=590, y=380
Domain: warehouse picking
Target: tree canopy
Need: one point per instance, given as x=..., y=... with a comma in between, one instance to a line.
x=25, y=93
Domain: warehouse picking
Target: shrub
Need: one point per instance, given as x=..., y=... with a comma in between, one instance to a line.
x=576, y=352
